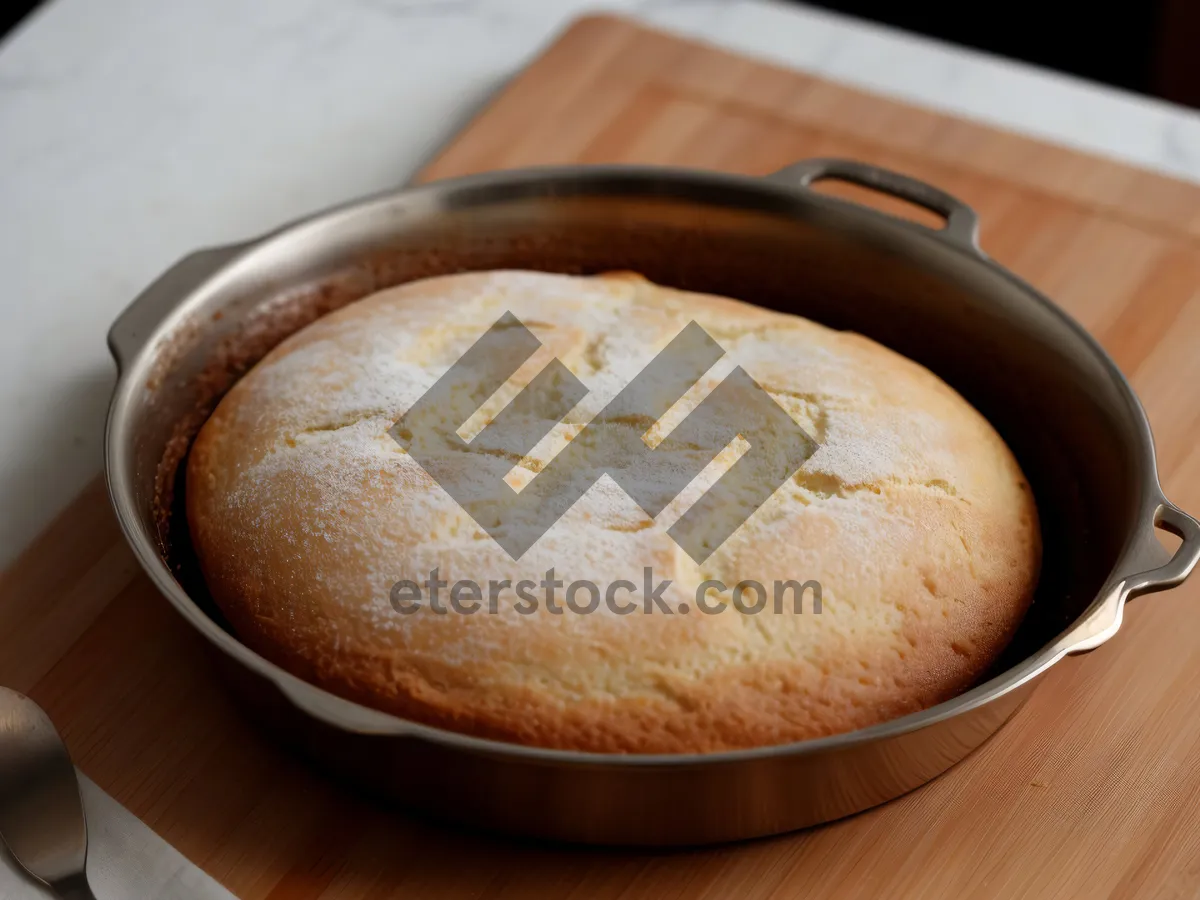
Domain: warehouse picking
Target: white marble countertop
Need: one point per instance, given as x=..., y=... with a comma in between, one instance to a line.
x=134, y=131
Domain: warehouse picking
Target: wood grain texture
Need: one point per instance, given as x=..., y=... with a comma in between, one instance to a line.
x=1092, y=791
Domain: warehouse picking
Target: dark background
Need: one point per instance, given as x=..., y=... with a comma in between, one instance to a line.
x=1148, y=46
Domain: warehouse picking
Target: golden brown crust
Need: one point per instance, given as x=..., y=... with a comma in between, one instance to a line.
x=912, y=515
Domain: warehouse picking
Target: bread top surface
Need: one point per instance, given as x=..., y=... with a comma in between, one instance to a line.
x=912, y=516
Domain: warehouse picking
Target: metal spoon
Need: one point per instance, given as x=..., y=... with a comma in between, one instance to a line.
x=41, y=813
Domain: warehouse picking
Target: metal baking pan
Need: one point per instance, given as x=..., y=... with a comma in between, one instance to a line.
x=1066, y=411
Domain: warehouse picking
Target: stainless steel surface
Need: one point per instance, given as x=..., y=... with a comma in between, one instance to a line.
x=41, y=813
x=931, y=294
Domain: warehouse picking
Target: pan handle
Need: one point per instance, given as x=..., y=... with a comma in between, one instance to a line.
x=128, y=333
x=1105, y=619
x=962, y=223
x=1169, y=517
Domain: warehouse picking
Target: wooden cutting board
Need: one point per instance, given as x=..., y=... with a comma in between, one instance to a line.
x=1092, y=791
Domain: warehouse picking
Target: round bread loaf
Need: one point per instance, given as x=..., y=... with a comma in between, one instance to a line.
x=910, y=530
